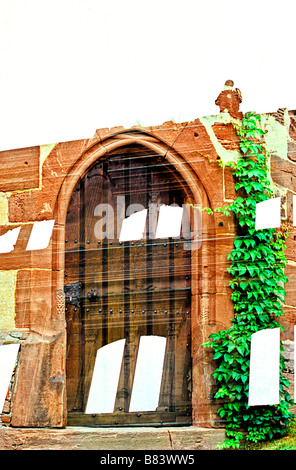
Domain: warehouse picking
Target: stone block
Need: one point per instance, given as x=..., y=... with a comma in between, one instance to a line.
x=283, y=172
x=39, y=398
x=19, y=169
x=33, y=299
x=226, y=135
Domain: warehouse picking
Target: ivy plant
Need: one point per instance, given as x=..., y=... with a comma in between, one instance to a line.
x=257, y=263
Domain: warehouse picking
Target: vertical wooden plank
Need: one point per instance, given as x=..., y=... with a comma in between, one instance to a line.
x=128, y=367
x=72, y=291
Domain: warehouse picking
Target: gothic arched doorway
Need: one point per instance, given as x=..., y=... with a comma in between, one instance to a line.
x=128, y=297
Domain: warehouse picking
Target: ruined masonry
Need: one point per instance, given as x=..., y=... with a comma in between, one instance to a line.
x=42, y=183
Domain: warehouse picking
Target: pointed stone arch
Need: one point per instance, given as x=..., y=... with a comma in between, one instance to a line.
x=203, y=288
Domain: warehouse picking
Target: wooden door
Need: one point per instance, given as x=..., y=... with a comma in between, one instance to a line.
x=126, y=290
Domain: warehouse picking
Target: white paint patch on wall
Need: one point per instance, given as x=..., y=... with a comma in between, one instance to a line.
x=40, y=235
x=133, y=227
x=169, y=221
x=105, y=378
x=264, y=367
x=148, y=374
x=8, y=240
x=147, y=380
x=268, y=214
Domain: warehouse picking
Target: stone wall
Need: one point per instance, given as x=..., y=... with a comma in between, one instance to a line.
x=36, y=184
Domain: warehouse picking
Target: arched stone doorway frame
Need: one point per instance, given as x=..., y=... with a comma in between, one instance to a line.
x=202, y=311
x=202, y=304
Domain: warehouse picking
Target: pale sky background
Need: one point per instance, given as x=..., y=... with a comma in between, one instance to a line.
x=69, y=67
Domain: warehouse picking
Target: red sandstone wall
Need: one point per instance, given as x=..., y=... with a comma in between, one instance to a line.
x=33, y=188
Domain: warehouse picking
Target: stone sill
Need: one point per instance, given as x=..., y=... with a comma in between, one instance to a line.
x=121, y=439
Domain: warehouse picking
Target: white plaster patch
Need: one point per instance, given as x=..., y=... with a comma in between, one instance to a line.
x=169, y=221
x=276, y=136
x=105, y=378
x=40, y=235
x=148, y=374
x=208, y=122
x=133, y=227
x=264, y=367
x=45, y=151
x=268, y=214
x=8, y=240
